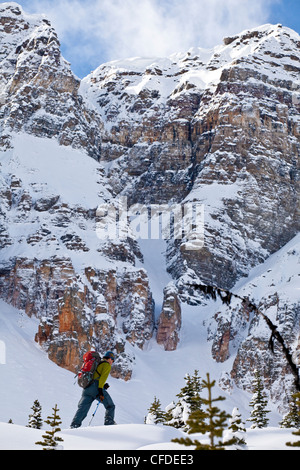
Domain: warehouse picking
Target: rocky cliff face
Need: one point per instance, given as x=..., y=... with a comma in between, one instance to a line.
x=219, y=128
x=39, y=97
x=86, y=291
x=236, y=332
x=170, y=320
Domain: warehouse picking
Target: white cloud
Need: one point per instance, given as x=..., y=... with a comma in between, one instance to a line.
x=101, y=30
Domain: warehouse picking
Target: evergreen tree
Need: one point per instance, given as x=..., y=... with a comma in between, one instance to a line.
x=191, y=392
x=35, y=419
x=211, y=421
x=236, y=431
x=169, y=413
x=292, y=418
x=50, y=438
x=189, y=401
x=177, y=414
x=259, y=404
x=155, y=414
x=296, y=433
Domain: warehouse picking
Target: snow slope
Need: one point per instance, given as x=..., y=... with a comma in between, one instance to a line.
x=120, y=437
x=45, y=165
x=47, y=169
x=126, y=437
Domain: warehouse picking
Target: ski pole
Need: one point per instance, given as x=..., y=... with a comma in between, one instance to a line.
x=94, y=413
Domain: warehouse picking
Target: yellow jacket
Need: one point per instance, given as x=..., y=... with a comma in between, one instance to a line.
x=102, y=372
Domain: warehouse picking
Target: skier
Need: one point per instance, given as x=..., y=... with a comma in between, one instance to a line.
x=97, y=391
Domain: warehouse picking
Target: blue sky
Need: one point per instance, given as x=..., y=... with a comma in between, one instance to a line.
x=92, y=32
x=286, y=12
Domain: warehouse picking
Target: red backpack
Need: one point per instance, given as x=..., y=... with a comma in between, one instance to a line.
x=91, y=361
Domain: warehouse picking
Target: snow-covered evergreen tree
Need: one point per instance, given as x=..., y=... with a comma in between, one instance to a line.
x=177, y=414
x=189, y=400
x=50, y=437
x=191, y=391
x=169, y=413
x=236, y=431
x=296, y=433
x=258, y=404
x=35, y=419
x=292, y=418
x=155, y=414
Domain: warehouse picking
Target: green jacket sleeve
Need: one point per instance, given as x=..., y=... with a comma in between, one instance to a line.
x=103, y=370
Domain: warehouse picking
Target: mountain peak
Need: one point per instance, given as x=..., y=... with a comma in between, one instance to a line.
x=39, y=92
x=268, y=50
x=261, y=32
x=12, y=7
x=13, y=12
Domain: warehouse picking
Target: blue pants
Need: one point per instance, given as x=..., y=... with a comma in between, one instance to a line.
x=88, y=396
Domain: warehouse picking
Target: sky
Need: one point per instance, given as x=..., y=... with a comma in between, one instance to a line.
x=92, y=32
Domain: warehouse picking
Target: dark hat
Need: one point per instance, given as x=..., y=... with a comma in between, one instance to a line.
x=109, y=355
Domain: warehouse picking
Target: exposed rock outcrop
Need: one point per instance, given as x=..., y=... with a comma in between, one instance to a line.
x=169, y=322
x=236, y=332
x=101, y=309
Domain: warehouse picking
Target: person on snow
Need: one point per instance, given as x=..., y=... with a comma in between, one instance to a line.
x=97, y=391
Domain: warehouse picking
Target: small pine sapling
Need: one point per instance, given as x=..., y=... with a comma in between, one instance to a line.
x=155, y=414
x=211, y=421
x=50, y=437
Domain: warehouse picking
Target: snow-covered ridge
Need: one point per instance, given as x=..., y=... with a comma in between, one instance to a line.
x=11, y=9
x=265, y=48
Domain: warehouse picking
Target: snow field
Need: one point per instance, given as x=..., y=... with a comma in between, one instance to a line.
x=27, y=374
x=124, y=437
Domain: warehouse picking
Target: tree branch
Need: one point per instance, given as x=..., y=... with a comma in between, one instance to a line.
x=226, y=297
